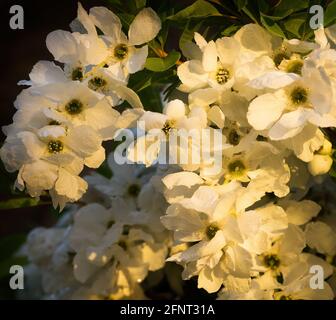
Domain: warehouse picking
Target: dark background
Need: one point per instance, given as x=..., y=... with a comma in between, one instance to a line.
x=20, y=50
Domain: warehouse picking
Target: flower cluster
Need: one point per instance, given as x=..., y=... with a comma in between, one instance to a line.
x=252, y=223
x=67, y=112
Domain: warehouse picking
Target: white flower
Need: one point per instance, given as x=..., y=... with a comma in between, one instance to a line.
x=77, y=50
x=162, y=128
x=211, y=220
x=286, y=111
x=122, y=50
x=108, y=246
x=225, y=63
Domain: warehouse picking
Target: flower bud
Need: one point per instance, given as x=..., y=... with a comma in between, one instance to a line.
x=320, y=164
x=326, y=148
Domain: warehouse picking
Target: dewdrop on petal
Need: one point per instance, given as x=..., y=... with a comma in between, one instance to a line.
x=320, y=164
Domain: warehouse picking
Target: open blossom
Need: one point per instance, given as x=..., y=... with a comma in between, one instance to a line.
x=84, y=47
x=226, y=184
x=58, y=128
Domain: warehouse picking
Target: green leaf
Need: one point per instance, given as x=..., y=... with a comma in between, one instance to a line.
x=140, y=3
x=240, y=4
x=199, y=9
x=140, y=80
x=231, y=30
x=295, y=25
x=288, y=7
x=272, y=26
x=19, y=203
x=162, y=64
x=126, y=19
x=152, y=99
x=163, y=35
x=105, y=170
x=330, y=14
x=252, y=14
x=188, y=33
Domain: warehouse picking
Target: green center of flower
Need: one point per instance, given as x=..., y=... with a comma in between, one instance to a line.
x=74, y=107
x=133, y=190
x=121, y=51
x=234, y=137
x=211, y=231
x=169, y=124
x=279, y=57
x=96, y=83
x=299, y=95
x=237, y=167
x=55, y=146
x=77, y=74
x=272, y=261
x=222, y=75
x=295, y=67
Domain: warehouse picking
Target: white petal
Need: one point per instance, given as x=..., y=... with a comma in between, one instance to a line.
x=320, y=37
x=228, y=50
x=144, y=151
x=265, y=110
x=145, y=27
x=293, y=241
x=137, y=60
x=45, y=72
x=289, y=125
x=62, y=45
x=323, y=121
x=83, y=140
x=192, y=75
x=126, y=93
x=200, y=41
x=153, y=120
x=129, y=117
x=51, y=132
x=208, y=280
x=96, y=159
x=83, y=270
x=85, y=20
x=175, y=109
x=107, y=22
x=38, y=176
x=216, y=115
x=300, y=212
x=209, y=60
x=321, y=237
x=184, y=178
x=70, y=186
x=203, y=97
x=201, y=249
x=273, y=80
x=252, y=37
x=102, y=117
x=203, y=200
x=91, y=49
